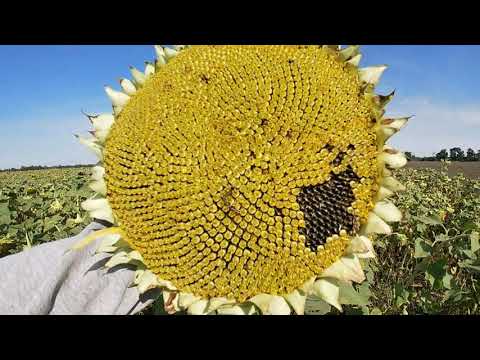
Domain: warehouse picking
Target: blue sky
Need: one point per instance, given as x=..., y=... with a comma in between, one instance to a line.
x=44, y=88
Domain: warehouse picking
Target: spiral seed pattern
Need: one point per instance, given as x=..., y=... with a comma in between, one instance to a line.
x=239, y=170
x=327, y=209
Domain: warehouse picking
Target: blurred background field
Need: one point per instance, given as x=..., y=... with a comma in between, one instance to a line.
x=470, y=169
x=38, y=206
x=429, y=265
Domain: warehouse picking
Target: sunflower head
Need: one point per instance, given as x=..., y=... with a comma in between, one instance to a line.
x=245, y=178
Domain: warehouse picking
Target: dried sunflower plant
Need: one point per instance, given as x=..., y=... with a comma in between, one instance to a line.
x=245, y=179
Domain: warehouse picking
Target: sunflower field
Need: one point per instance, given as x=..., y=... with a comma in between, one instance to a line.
x=430, y=264
x=39, y=206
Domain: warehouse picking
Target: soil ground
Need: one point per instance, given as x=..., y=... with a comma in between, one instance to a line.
x=469, y=169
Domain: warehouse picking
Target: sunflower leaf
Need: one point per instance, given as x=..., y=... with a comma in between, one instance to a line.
x=316, y=306
x=350, y=296
x=474, y=241
x=422, y=249
x=5, y=216
x=430, y=220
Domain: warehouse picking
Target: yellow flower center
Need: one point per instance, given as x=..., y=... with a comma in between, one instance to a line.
x=239, y=170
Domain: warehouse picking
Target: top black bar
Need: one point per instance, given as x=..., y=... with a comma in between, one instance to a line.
x=145, y=23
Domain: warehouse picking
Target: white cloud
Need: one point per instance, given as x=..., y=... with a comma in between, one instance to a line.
x=436, y=125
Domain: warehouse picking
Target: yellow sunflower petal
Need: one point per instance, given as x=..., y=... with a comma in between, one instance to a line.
x=297, y=300
x=186, y=299
x=387, y=211
x=119, y=99
x=328, y=290
x=348, y=268
x=372, y=75
x=362, y=247
x=244, y=309
x=375, y=225
x=128, y=87
x=138, y=76
x=199, y=307
x=98, y=209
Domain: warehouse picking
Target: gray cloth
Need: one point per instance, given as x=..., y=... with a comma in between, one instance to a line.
x=49, y=279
